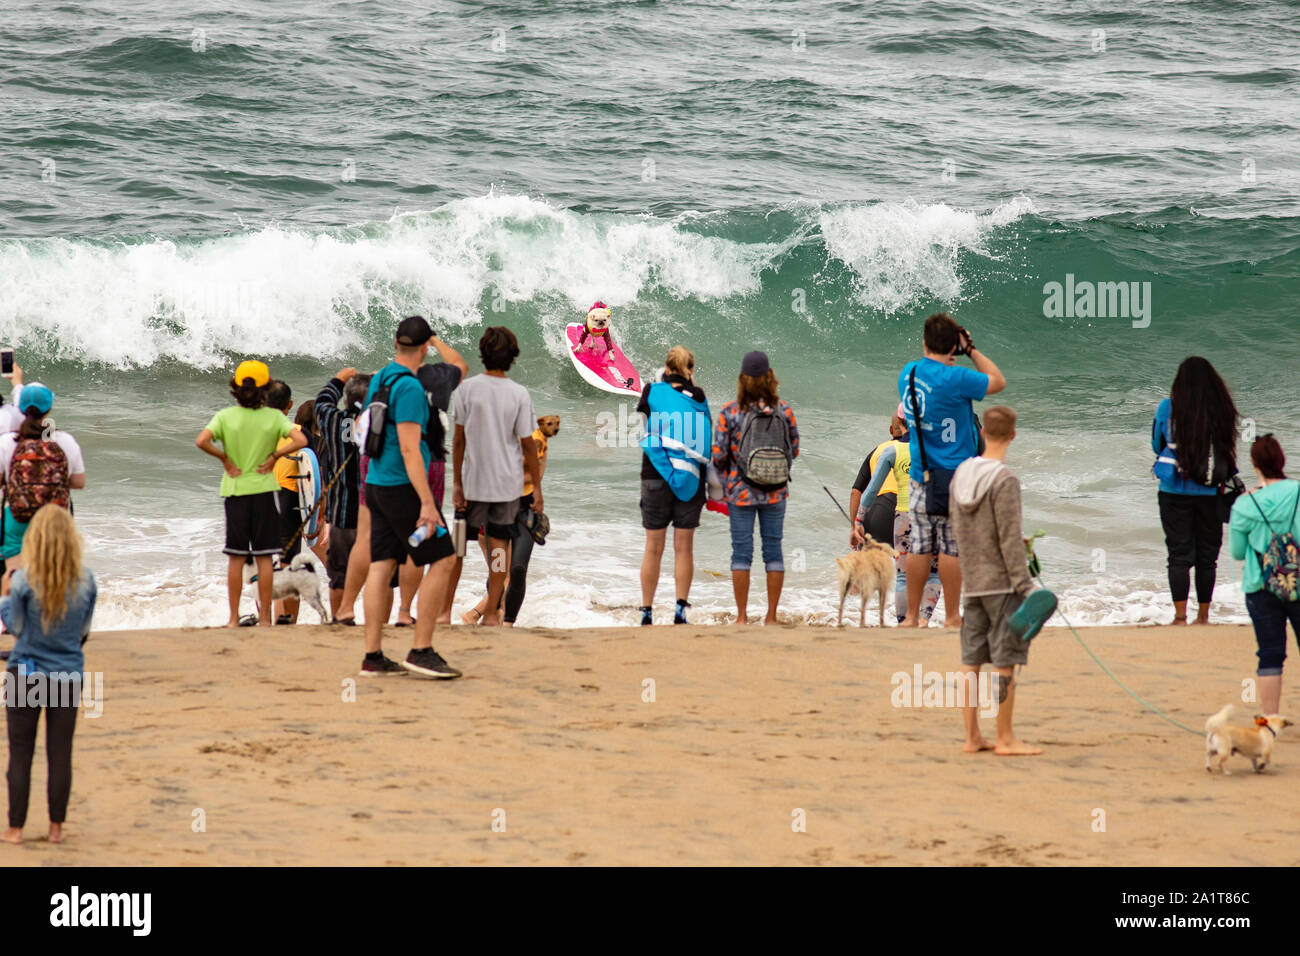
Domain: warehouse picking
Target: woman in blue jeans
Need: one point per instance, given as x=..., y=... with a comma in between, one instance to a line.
x=1271, y=509
x=760, y=422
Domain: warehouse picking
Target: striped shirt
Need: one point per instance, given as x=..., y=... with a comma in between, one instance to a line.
x=336, y=445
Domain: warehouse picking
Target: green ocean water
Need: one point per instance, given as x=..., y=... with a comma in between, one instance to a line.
x=188, y=184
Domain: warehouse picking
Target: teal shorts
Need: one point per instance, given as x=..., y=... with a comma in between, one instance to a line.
x=12, y=545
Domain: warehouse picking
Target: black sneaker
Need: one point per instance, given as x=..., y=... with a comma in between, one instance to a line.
x=429, y=662
x=647, y=616
x=383, y=667
x=679, y=617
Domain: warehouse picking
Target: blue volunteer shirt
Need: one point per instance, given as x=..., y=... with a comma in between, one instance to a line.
x=944, y=393
x=406, y=403
x=1161, y=430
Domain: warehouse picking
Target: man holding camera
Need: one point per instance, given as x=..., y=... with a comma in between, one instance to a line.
x=938, y=396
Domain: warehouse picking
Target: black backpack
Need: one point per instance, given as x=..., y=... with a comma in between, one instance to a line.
x=435, y=433
x=377, y=412
x=764, y=449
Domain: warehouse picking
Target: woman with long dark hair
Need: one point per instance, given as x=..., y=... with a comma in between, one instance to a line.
x=1194, y=436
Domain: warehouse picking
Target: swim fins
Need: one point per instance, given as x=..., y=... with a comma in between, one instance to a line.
x=1032, y=614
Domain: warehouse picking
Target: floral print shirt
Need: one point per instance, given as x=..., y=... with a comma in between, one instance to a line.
x=726, y=449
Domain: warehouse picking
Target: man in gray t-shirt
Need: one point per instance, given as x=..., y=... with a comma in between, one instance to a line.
x=494, y=420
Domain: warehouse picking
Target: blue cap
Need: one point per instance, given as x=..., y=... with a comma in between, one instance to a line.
x=35, y=396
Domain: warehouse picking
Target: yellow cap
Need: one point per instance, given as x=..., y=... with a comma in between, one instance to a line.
x=257, y=371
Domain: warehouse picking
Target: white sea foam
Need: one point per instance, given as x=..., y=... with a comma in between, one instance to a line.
x=569, y=586
x=281, y=290
x=906, y=252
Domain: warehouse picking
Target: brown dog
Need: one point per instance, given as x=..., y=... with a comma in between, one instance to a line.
x=549, y=424
x=867, y=572
x=1223, y=739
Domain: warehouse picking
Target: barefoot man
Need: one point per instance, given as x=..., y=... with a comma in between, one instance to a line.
x=986, y=517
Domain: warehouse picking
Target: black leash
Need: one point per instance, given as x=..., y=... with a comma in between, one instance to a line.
x=819, y=481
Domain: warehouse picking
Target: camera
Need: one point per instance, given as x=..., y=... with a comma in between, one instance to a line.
x=964, y=342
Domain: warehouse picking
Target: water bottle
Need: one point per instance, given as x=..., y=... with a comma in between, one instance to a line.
x=421, y=533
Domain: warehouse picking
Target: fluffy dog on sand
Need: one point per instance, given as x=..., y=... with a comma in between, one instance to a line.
x=1255, y=741
x=867, y=572
x=298, y=580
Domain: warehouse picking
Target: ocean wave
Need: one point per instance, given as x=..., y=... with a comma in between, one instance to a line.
x=285, y=291
x=903, y=253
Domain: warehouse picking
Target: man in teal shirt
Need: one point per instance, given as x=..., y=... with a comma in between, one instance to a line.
x=400, y=500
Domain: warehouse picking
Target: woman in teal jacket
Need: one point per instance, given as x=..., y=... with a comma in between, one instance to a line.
x=1271, y=509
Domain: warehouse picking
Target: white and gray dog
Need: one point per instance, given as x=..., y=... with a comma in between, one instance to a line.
x=298, y=580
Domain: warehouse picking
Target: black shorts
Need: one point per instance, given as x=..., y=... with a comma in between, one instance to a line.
x=660, y=507
x=290, y=519
x=394, y=513
x=253, y=524
x=337, y=554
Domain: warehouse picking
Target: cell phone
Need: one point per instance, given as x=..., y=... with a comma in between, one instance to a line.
x=7, y=362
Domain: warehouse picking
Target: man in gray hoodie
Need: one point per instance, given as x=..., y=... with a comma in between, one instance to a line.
x=986, y=518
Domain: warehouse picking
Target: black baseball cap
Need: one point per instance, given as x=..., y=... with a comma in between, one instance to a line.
x=413, y=330
x=755, y=364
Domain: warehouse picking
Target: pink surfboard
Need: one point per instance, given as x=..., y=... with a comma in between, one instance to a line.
x=617, y=376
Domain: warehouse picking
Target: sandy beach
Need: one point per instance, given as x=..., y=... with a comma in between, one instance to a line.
x=747, y=726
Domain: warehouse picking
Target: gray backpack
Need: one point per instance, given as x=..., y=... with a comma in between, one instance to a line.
x=765, y=450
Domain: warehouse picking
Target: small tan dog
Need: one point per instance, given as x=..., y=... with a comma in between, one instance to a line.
x=1223, y=739
x=867, y=572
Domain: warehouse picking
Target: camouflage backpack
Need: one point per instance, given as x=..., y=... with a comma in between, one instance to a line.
x=38, y=475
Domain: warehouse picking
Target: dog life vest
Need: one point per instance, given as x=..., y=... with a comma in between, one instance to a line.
x=677, y=441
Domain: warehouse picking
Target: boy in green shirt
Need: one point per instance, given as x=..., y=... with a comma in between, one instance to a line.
x=249, y=433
